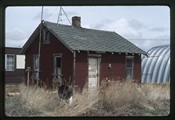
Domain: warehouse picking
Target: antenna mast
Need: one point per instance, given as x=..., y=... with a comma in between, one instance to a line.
x=60, y=14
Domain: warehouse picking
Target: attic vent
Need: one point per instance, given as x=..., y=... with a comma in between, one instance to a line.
x=76, y=21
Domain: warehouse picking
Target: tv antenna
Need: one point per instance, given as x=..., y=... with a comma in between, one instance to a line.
x=60, y=15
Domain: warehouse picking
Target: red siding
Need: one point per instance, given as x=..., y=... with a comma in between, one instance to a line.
x=118, y=67
x=117, y=72
x=33, y=49
x=81, y=74
x=137, y=68
x=47, y=59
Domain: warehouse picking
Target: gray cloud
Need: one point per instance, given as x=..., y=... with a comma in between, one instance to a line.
x=136, y=24
x=46, y=14
x=159, y=29
x=16, y=34
x=52, y=13
x=102, y=24
x=147, y=43
x=164, y=37
x=99, y=25
x=16, y=37
x=15, y=43
x=71, y=13
x=37, y=16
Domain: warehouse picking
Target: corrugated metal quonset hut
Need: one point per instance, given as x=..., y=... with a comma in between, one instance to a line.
x=156, y=67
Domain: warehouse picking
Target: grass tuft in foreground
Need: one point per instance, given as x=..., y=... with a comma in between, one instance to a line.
x=113, y=98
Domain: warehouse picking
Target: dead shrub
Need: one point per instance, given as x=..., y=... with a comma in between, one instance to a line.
x=116, y=98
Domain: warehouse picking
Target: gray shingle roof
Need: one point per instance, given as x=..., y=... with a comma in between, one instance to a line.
x=83, y=39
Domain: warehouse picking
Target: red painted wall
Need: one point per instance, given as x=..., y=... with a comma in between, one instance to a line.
x=32, y=49
x=47, y=59
x=118, y=66
x=117, y=72
x=81, y=73
x=137, y=68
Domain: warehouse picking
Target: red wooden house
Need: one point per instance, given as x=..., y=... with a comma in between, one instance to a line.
x=80, y=55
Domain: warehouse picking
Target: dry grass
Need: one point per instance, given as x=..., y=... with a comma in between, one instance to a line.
x=111, y=99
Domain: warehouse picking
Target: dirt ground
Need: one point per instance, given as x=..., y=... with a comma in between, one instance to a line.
x=11, y=87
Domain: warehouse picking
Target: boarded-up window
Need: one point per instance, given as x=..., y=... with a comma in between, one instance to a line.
x=9, y=62
x=20, y=61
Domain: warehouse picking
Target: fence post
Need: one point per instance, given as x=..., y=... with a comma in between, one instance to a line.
x=28, y=73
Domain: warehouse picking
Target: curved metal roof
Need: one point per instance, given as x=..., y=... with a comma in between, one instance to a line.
x=156, y=67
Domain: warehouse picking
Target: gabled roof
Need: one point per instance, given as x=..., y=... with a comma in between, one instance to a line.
x=83, y=39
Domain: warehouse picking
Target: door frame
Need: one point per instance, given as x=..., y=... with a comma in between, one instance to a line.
x=98, y=57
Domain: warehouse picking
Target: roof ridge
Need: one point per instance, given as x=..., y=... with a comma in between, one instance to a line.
x=95, y=40
x=81, y=27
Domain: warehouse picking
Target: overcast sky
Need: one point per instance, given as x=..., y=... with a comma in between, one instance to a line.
x=145, y=26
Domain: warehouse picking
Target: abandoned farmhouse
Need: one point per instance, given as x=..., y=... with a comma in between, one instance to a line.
x=80, y=55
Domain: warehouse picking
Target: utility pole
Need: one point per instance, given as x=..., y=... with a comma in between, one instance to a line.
x=39, y=48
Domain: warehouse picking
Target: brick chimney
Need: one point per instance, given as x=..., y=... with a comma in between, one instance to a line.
x=76, y=21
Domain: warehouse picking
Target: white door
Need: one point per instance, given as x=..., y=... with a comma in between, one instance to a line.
x=93, y=73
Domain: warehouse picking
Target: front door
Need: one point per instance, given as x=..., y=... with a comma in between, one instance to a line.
x=93, y=73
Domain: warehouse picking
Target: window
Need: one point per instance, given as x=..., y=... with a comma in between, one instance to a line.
x=57, y=68
x=9, y=62
x=46, y=36
x=20, y=61
x=35, y=73
x=129, y=67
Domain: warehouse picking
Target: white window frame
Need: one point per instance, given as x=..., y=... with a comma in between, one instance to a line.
x=57, y=75
x=13, y=62
x=46, y=36
x=129, y=68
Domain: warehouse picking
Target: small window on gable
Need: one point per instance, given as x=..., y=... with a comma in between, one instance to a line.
x=46, y=36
